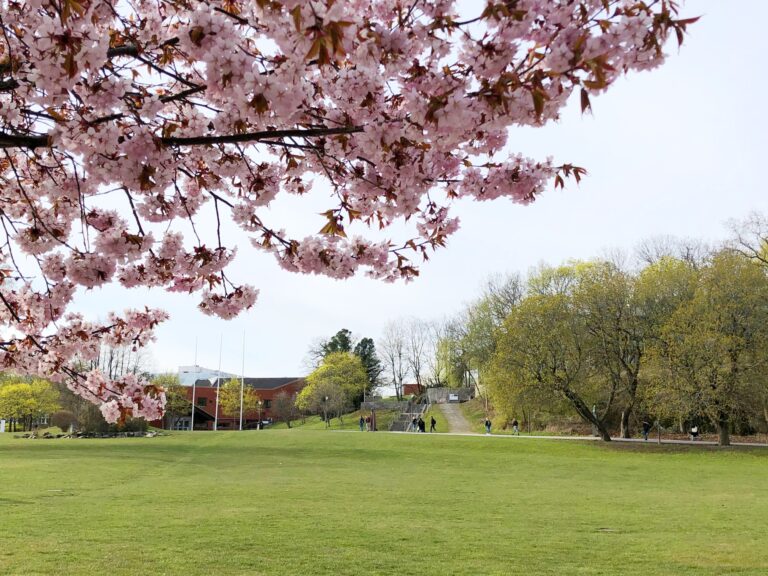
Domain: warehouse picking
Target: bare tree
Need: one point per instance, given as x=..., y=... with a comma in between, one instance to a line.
x=394, y=352
x=437, y=362
x=690, y=250
x=284, y=408
x=116, y=361
x=314, y=356
x=749, y=237
x=503, y=293
x=416, y=349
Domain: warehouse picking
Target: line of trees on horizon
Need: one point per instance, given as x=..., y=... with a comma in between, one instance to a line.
x=676, y=335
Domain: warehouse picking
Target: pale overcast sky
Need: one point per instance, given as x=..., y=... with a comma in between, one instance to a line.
x=676, y=151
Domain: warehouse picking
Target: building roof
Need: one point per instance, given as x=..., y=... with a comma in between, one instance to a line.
x=255, y=383
x=192, y=374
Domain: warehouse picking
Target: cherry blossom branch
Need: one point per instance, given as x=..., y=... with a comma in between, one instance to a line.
x=43, y=141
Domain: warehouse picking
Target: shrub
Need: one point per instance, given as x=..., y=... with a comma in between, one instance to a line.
x=63, y=419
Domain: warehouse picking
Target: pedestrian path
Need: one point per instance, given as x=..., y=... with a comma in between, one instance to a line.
x=595, y=438
x=457, y=423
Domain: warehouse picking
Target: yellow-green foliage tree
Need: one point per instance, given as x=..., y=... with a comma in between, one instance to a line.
x=543, y=353
x=712, y=352
x=177, y=403
x=26, y=401
x=604, y=295
x=332, y=385
x=229, y=399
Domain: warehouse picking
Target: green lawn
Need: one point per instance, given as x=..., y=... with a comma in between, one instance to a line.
x=350, y=421
x=315, y=502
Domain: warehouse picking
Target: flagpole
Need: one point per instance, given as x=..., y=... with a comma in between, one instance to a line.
x=218, y=383
x=242, y=383
x=192, y=423
x=194, y=382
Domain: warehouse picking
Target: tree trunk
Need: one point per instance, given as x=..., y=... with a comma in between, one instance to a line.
x=724, y=429
x=604, y=434
x=583, y=410
x=626, y=413
x=765, y=412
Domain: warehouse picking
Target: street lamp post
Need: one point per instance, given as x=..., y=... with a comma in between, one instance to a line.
x=258, y=427
x=325, y=410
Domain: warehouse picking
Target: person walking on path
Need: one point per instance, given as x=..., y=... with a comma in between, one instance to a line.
x=415, y=424
x=432, y=424
x=487, y=426
x=646, y=429
x=422, y=425
x=362, y=423
x=515, y=427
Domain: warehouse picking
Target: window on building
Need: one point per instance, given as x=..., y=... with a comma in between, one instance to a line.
x=202, y=401
x=267, y=404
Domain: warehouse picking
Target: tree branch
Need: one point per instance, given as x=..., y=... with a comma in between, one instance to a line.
x=33, y=142
x=256, y=136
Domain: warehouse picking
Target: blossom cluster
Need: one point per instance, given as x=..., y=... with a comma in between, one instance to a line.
x=120, y=122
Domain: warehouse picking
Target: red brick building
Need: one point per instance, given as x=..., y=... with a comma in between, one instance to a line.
x=412, y=390
x=205, y=403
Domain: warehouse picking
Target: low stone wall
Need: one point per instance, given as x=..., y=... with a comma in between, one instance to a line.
x=441, y=395
x=385, y=405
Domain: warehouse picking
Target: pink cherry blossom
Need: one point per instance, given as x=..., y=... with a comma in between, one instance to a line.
x=124, y=125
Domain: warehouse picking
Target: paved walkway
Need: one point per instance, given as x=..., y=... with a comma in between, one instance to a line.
x=589, y=438
x=457, y=423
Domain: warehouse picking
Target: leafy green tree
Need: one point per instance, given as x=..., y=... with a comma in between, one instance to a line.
x=334, y=385
x=339, y=342
x=365, y=349
x=661, y=288
x=177, y=403
x=27, y=401
x=229, y=399
x=616, y=329
x=15, y=402
x=455, y=354
x=485, y=316
x=342, y=341
x=542, y=352
x=713, y=350
x=324, y=397
x=344, y=370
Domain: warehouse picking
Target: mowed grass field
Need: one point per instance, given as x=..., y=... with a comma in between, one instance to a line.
x=323, y=502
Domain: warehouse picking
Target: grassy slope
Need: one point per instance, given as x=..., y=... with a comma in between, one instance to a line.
x=442, y=424
x=474, y=412
x=350, y=421
x=314, y=502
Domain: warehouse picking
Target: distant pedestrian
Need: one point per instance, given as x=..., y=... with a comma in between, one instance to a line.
x=487, y=426
x=695, y=433
x=367, y=423
x=415, y=424
x=432, y=424
x=646, y=429
x=362, y=423
x=515, y=427
x=422, y=425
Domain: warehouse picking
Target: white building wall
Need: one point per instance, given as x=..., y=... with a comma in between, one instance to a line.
x=189, y=374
